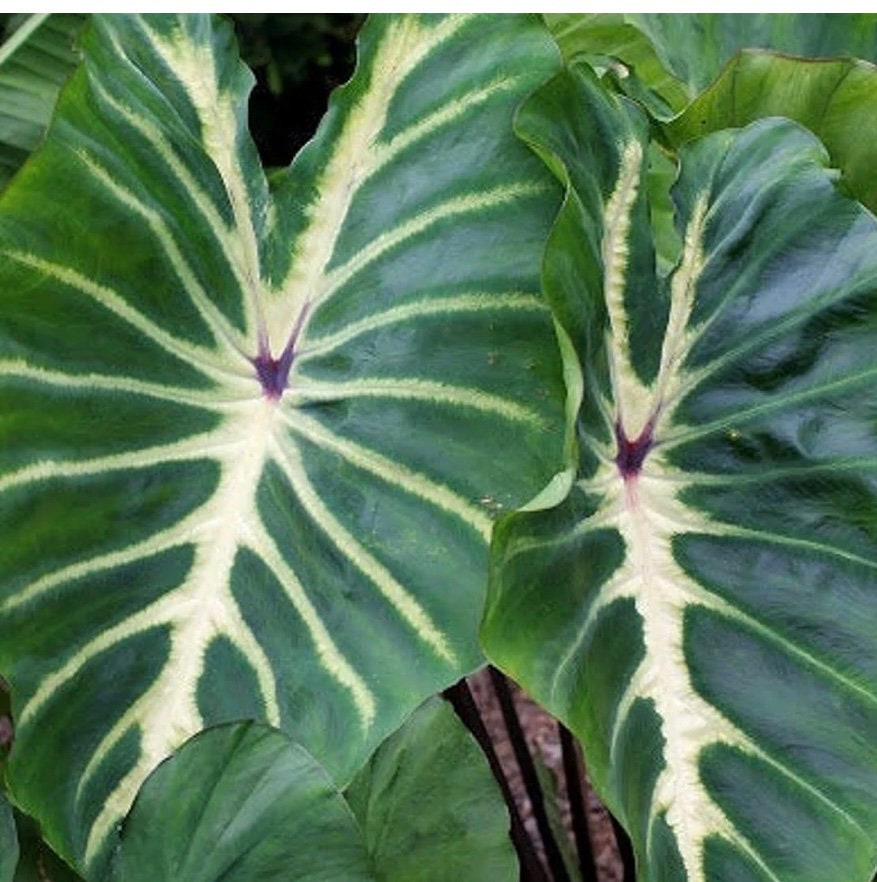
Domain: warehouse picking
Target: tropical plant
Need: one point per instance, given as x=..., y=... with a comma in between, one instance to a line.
x=257, y=431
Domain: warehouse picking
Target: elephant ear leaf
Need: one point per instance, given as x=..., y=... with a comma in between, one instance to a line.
x=37, y=56
x=248, y=457
x=702, y=608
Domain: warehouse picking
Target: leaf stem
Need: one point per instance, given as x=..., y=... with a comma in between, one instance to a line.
x=625, y=849
x=575, y=792
x=460, y=697
x=528, y=772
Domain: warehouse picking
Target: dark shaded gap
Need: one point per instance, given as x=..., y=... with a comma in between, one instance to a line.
x=298, y=59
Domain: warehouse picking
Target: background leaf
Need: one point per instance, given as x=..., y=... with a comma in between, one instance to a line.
x=429, y=807
x=836, y=100
x=669, y=58
x=612, y=41
x=237, y=803
x=37, y=56
x=701, y=609
x=695, y=47
x=249, y=462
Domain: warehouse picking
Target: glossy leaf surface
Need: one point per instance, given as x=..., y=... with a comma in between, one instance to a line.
x=836, y=100
x=429, y=807
x=701, y=610
x=36, y=59
x=248, y=458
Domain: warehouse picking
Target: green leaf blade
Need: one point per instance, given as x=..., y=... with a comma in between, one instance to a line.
x=831, y=98
x=271, y=520
x=265, y=809
x=429, y=807
x=694, y=609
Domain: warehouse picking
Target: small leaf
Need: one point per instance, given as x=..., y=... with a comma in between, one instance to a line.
x=429, y=807
x=239, y=803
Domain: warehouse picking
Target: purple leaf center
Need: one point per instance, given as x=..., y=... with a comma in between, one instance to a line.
x=631, y=454
x=273, y=373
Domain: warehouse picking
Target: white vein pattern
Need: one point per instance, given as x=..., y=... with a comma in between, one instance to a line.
x=357, y=155
x=648, y=512
x=459, y=304
x=219, y=400
x=254, y=429
x=227, y=242
x=230, y=340
x=390, y=471
x=195, y=65
x=290, y=461
x=412, y=389
x=205, y=360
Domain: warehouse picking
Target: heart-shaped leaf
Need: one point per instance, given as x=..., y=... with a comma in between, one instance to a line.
x=702, y=608
x=248, y=459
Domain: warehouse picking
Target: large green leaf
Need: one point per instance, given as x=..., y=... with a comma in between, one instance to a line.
x=238, y=803
x=36, y=59
x=8, y=841
x=836, y=100
x=702, y=608
x=429, y=807
x=248, y=455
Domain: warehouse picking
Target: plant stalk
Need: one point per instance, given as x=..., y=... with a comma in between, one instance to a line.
x=528, y=773
x=575, y=789
x=625, y=849
x=460, y=697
